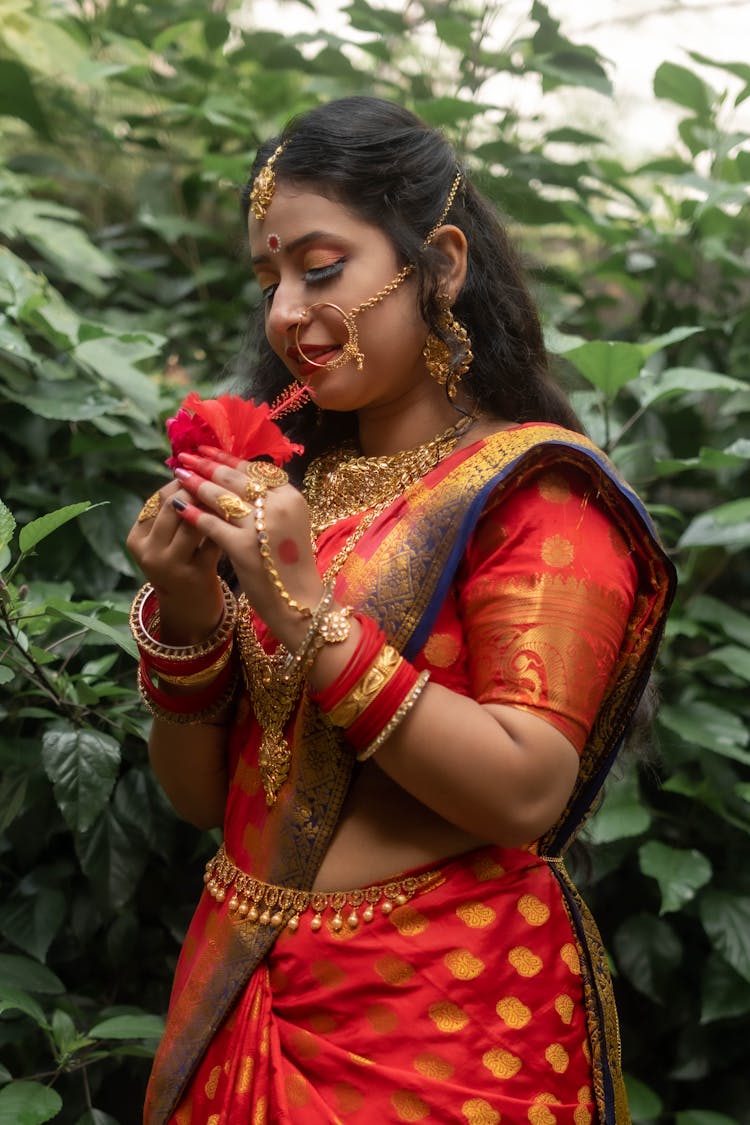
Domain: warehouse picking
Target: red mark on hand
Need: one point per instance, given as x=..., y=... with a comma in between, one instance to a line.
x=288, y=552
x=202, y=465
x=188, y=512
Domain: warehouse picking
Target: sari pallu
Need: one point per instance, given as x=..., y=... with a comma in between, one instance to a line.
x=400, y=572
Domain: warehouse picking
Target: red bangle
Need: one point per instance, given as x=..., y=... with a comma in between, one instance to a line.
x=382, y=709
x=185, y=704
x=370, y=643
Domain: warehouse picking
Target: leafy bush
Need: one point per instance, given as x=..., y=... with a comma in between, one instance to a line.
x=127, y=128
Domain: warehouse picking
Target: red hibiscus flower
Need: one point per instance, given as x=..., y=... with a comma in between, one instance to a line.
x=230, y=423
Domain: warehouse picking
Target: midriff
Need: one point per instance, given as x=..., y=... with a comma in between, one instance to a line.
x=382, y=831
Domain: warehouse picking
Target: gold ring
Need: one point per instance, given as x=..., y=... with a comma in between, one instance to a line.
x=232, y=507
x=266, y=475
x=151, y=508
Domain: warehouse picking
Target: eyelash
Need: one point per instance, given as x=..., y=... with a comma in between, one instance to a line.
x=312, y=277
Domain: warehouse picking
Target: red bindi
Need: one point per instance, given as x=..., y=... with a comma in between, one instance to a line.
x=288, y=552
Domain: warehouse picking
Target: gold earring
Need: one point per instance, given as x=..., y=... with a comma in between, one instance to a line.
x=439, y=356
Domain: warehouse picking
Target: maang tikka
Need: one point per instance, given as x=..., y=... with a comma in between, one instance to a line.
x=264, y=185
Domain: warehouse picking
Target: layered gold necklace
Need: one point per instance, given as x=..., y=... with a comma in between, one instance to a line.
x=343, y=482
x=337, y=485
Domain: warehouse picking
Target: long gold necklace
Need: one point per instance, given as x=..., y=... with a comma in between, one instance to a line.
x=343, y=482
x=369, y=485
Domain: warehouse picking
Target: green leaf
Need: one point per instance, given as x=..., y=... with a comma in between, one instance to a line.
x=735, y=659
x=28, y=1103
x=82, y=766
x=39, y=529
x=674, y=336
x=725, y=526
x=678, y=84
x=12, y=788
x=732, y=622
x=726, y=920
x=141, y=1026
x=18, y=99
x=63, y=1031
x=725, y=995
x=22, y=972
x=42, y=45
x=643, y=1102
x=123, y=638
x=621, y=815
x=114, y=361
x=704, y=724
x=689, y=380
x=704, y=1117
x=69, y=402
x=648, y=952
x=606, y=364
x=14, y=999
x=680, y=873
x=7, y=525
x=32, y=921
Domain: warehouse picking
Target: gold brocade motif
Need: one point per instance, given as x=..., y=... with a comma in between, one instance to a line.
x=540, y=646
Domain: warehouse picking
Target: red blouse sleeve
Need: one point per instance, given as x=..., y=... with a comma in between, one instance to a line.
x=544, y=593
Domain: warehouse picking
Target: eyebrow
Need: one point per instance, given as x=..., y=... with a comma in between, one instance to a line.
x=312, y=236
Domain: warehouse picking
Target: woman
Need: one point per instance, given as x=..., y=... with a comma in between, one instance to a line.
x=443, y=633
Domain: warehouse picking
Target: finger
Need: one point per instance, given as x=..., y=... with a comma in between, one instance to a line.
x=204, y=466
x=221, y=456
x=153, y=507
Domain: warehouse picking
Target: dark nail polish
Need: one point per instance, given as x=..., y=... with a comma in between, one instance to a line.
x=179, y=505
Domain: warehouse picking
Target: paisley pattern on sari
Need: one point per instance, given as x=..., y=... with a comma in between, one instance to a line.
x=424, y=570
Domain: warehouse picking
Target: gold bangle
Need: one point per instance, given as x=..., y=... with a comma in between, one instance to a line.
x=203, y=677
x=150, y=646
x=396, y=718
x=355, y=702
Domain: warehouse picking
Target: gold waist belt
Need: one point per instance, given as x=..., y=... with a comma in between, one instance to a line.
x=268, y=904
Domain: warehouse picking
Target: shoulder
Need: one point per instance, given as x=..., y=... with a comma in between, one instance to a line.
x=555, y=518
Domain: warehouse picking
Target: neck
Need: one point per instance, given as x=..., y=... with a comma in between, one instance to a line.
x=396, y=426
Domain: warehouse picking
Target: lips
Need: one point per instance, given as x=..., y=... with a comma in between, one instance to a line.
x=320, y=353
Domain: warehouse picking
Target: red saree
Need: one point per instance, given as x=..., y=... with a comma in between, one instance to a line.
x=485, y=996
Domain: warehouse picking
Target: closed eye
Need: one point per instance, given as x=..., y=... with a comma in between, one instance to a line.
x=324, y=273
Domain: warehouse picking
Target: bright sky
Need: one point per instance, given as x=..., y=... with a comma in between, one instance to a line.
x=635, y=35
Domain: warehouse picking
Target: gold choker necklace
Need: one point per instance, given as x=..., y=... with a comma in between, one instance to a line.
x=343, y=483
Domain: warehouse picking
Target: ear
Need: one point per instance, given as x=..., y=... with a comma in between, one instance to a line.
x=451, y=241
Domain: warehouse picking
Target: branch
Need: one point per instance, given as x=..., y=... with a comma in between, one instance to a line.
x=666, y=10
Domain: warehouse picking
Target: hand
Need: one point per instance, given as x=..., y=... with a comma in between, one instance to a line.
x=181, y=564
x=276, y=569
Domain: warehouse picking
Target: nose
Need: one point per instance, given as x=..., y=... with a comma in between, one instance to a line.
x=285, y=312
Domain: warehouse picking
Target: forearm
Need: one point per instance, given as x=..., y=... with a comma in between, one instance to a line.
x=498, y=773
x=191, y=765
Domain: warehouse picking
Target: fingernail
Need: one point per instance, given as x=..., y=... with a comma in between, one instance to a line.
x=179, y=505
x=183, y=474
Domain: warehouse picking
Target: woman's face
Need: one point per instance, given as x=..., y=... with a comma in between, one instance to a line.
x=310, y=249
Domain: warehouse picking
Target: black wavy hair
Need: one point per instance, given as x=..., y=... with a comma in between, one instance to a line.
x=388, y=167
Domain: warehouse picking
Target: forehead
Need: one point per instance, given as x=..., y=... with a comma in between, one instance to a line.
x=296, y=211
